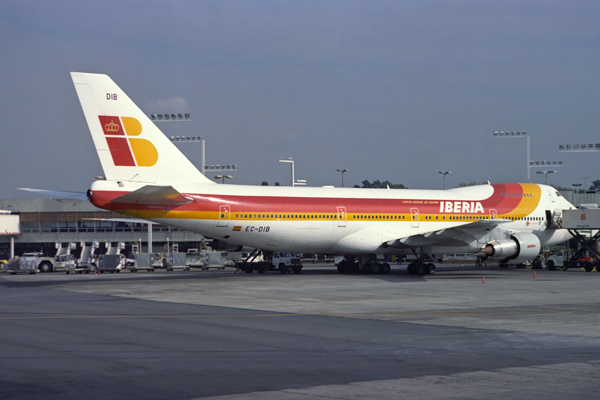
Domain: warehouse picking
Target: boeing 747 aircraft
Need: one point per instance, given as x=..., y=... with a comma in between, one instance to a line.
x=147, y=177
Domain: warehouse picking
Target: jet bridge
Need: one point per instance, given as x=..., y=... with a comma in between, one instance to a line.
x=586, y=218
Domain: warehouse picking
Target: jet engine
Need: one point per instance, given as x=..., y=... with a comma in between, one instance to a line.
x=519, y=248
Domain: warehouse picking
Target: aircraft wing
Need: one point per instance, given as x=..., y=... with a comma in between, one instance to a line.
x=455, y=233
x=151, y=195
x=58, y=194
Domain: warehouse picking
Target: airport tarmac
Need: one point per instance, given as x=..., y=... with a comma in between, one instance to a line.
x=320, y=334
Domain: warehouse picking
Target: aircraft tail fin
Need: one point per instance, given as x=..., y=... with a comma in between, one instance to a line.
x=130, y=146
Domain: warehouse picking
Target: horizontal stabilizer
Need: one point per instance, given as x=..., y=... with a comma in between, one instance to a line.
x=150, y=195
x=57, y=194
x=127, y=220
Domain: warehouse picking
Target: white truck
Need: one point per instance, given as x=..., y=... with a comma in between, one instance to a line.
x=60, y=262
x=63, y=260
x=283, y=262
x=43, y=264
x=47, y=264
x=555, y=260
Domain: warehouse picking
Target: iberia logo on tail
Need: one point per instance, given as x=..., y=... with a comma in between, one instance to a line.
x=126, y=149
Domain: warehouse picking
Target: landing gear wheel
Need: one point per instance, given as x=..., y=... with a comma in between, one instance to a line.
x=375, y=268
x=385, y=268
x=430, y=269
x=420, y=269
x=411, y=268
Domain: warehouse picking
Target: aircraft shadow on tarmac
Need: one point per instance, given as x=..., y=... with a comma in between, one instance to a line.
x=397, y=275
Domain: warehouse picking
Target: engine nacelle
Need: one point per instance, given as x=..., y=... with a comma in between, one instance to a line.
x=519, y=248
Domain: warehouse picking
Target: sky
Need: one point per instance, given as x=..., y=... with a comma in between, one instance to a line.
x=391, y=90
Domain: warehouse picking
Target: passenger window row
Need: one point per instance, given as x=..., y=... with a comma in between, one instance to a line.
x=285, y=216
x=516, y=194
x=376, y=216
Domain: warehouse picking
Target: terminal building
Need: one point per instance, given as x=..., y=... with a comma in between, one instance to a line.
x=45, y=222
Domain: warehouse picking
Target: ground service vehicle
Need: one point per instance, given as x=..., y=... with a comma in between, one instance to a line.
x=44, y=264
x=281, y=261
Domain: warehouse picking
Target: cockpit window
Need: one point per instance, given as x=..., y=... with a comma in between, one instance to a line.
x=558, y=194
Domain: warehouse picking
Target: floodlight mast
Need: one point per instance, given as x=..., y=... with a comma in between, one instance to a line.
x=291, y=161
x=193, y=139
x=343, y=171
x=517, y=135
x=445, y=173
x=223, y=177
x=580, y=148
x=170, y=117
x=546, y=173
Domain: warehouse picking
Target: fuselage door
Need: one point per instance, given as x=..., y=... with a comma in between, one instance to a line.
x=493, y=213
x=224, y=212
x=414, y=217
x=341, y=216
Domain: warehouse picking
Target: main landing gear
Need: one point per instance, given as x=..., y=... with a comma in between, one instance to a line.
x=420, y=267
x=362, y=265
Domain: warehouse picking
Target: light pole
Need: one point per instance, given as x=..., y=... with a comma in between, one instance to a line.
x=291, y=161
x=223, y=177
x=445, y=173
x=517, y=135
x=343, y=171
x=546, y=173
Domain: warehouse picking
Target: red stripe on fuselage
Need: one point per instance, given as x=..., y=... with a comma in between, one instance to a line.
x=280, y=204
